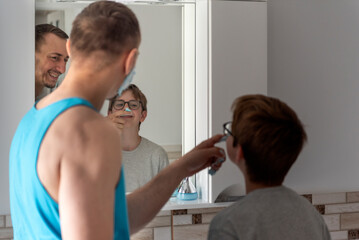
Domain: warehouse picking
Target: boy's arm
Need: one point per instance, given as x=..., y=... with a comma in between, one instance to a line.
x=147, y=201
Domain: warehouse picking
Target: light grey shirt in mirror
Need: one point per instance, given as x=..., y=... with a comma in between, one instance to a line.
x=143, y=163
x=270, y=213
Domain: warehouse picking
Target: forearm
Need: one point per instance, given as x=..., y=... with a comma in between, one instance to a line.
x=147, y=201
x=144, y=203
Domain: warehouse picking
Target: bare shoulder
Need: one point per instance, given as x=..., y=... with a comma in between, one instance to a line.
x=79, y=141
x=88, y=135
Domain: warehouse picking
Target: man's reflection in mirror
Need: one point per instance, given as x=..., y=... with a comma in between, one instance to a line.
x=142, y=159
x=50, y=57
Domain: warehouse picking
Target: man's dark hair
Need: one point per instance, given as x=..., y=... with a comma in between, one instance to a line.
x=105, y=26
x=42, y=29
x=270, y=134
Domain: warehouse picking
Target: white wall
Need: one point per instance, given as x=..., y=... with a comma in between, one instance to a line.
x=314, y=66
x=238, y=65
x=17, y=89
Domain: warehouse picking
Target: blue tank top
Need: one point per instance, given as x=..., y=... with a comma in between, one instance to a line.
x=34, y=214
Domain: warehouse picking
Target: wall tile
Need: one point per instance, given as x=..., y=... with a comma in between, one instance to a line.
x=339, y=235
x=6, y=233
x=2, y=221
x=332, y=221
x=308, y=197
x=161, y=221
x=328, y=198
x=192, y=232
x=349, y=221
x=196, y=218
x=342, y=208
x=353, y=197
x=353, y=234
x=162, y=233
x=8, y=221
x=205, y=210
x=144, y=234
x=164, y=213
x=207, y=218
x=320, y=208
x=182, y=219
x=179, y=212
x=174, y=155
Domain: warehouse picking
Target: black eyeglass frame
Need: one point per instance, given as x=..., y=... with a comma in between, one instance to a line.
x=225, y=128
x=226, y=131
x=128, y=104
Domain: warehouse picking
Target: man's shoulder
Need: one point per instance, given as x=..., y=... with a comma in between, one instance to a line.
x=82, y=117
x=87, y=130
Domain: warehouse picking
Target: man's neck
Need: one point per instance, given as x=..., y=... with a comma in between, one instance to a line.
x=38, y=89
x=87, y=84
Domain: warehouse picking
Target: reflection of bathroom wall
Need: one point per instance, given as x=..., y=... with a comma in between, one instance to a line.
x=56, y=18
x=159, y=71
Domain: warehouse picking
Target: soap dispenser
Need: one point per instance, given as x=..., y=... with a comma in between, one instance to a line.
x=186, y=190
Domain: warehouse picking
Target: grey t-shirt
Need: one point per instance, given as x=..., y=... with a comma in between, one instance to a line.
x=143, y=163
x=270, y=213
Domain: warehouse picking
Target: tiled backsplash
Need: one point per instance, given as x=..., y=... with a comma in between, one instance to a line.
x=340, y=211
x=5, y=227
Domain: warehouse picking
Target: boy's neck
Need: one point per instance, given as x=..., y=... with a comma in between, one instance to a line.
x=251, y=186
x=130, y=140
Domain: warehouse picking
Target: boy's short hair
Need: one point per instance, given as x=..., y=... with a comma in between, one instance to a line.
x=42, y=29
x=105, y=26
x=137, y=93
x=270, y=134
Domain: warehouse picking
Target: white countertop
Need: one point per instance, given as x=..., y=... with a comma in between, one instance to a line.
x=175, y=204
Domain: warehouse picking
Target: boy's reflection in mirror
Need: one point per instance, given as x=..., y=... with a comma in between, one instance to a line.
x=142, y=159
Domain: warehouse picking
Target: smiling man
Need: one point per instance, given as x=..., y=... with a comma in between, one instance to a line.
x=50, y=57
x=142, y=159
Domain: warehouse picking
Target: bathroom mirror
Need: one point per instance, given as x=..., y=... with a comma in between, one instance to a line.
x=165, y=67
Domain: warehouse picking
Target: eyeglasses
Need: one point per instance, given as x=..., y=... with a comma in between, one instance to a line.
x=226, y=131
x=132, y=104
x=226, y=127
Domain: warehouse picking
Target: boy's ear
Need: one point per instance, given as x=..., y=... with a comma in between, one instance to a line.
x=143, y=116
x=130, y=61
x=239, y=158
